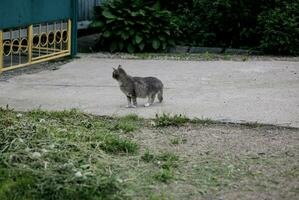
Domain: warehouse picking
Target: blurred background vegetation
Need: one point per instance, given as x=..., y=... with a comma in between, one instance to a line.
x=270, y=26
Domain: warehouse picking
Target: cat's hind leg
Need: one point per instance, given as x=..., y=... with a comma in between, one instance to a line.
x=134, y=101
x=151, y=99
x=160, y=95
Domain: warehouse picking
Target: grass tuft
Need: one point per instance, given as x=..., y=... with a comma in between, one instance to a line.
x=166, y=162
x=178, y=140
x=164, y=175
x=114, y=144
x=128, y=123
x=165, y=120
x=203, y=121
x=147, y=156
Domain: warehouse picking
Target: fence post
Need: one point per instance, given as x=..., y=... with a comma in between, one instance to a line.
x=74, y=27
x=69, y=35
x=1, y=51
x=30, y=41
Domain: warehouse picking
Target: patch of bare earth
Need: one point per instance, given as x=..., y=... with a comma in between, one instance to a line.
x=228, y=161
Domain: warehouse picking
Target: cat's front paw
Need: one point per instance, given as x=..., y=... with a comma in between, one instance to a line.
x=147, y=105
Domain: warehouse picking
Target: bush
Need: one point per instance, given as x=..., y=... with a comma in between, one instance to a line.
x=280, y=29
x=134, y=26
x=268, y=25
x=271, y=26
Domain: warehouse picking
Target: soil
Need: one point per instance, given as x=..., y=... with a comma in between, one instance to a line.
x=243, y=162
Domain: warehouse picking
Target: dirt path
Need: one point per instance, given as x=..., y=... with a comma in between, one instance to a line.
x=229, y=162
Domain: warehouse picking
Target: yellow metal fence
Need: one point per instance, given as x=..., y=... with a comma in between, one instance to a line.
x=36, y=43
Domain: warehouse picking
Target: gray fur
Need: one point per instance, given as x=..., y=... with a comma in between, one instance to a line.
x=138, y=87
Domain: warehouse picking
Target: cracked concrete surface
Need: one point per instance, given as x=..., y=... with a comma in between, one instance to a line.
x=251, y=91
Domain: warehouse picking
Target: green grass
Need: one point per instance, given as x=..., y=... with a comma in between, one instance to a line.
x=166, y=163
x=128, y=123
x=63, y=155
x=73, y=155
x=178, y=140
x=207, y=56
x=164, y=175
x=167, y=119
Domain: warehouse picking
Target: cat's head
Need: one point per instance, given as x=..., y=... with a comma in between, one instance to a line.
x=118, y=72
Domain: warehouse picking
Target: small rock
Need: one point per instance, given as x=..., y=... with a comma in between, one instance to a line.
x=19, y=115
x=153, y=123
x=45, y=165
x=36, y=155
x=78, y=174
x=44, y=150
x=120, y=180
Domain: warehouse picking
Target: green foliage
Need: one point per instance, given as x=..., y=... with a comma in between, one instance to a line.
x=164, y=175
x=134, y=26
x=271, y=26
x=59, y=155
x=128, y=123
x=178, y=140
x=147, y=156
x=169, y=120
x=166, y=162
x=280, y=29
x=169, y=160
x=114, y=144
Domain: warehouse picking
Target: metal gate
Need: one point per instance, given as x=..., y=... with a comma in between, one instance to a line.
x=33, y=31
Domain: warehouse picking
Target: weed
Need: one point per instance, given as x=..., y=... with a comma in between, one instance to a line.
x=114, y=144
x=147, y=156
x=169, y=160
x=207, y=56
x=166, y=162
x=178, y=140
x=202, y=121
x=244, y=58
x=164, y=175
x=168, y=120
x=128, y=123
x=131, y=117
x=227, y=57
x=252, y=124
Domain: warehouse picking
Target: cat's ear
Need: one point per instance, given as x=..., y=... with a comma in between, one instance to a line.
x=113, y=69
x=119, y=66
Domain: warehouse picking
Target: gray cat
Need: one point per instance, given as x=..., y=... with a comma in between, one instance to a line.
x=141, y=87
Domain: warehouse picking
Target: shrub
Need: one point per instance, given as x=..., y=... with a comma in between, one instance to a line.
x=280, y=29
x=271, y=26
x=134, y=26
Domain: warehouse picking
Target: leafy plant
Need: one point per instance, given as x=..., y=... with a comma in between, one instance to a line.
x=280, y=29
x=271, y=26
x=164, y=175
x=134, y=26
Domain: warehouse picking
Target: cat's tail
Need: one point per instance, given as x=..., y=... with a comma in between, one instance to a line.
x=160, y=95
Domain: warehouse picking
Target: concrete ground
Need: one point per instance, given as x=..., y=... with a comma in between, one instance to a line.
x=251, y=91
